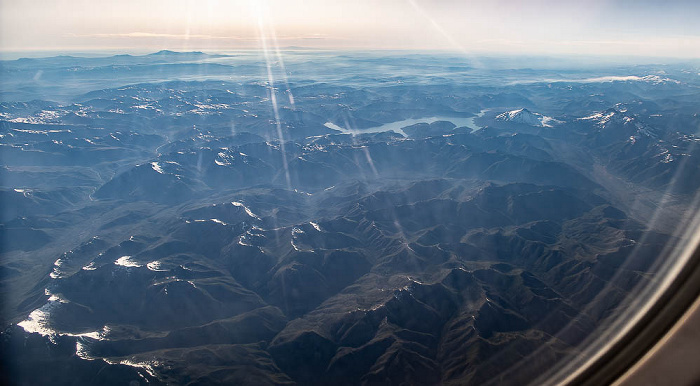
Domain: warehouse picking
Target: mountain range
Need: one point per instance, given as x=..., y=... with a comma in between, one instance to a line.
x=169, y=224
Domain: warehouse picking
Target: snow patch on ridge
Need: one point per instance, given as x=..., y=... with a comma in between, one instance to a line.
x=125, y=261
x=526, y=117
x=248, y=211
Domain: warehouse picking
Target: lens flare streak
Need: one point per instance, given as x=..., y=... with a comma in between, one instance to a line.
x=271, y=86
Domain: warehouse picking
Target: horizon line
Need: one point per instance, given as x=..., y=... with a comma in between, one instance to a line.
x=132, y=51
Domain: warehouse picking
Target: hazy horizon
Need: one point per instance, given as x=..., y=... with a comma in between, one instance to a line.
x=498, y=59
x=543, y=28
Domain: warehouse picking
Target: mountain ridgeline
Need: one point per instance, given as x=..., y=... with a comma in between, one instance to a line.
x=163, y=222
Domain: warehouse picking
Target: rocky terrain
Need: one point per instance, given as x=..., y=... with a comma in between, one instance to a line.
x=173, y=219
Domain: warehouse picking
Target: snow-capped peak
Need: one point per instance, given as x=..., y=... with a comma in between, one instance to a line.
x=616, y=118
x=526, y=117
x=602, y=117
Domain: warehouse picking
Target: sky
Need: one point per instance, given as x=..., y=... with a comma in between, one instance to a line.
x=591, y=27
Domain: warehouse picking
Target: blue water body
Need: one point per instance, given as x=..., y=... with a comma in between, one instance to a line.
x=397, y=126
